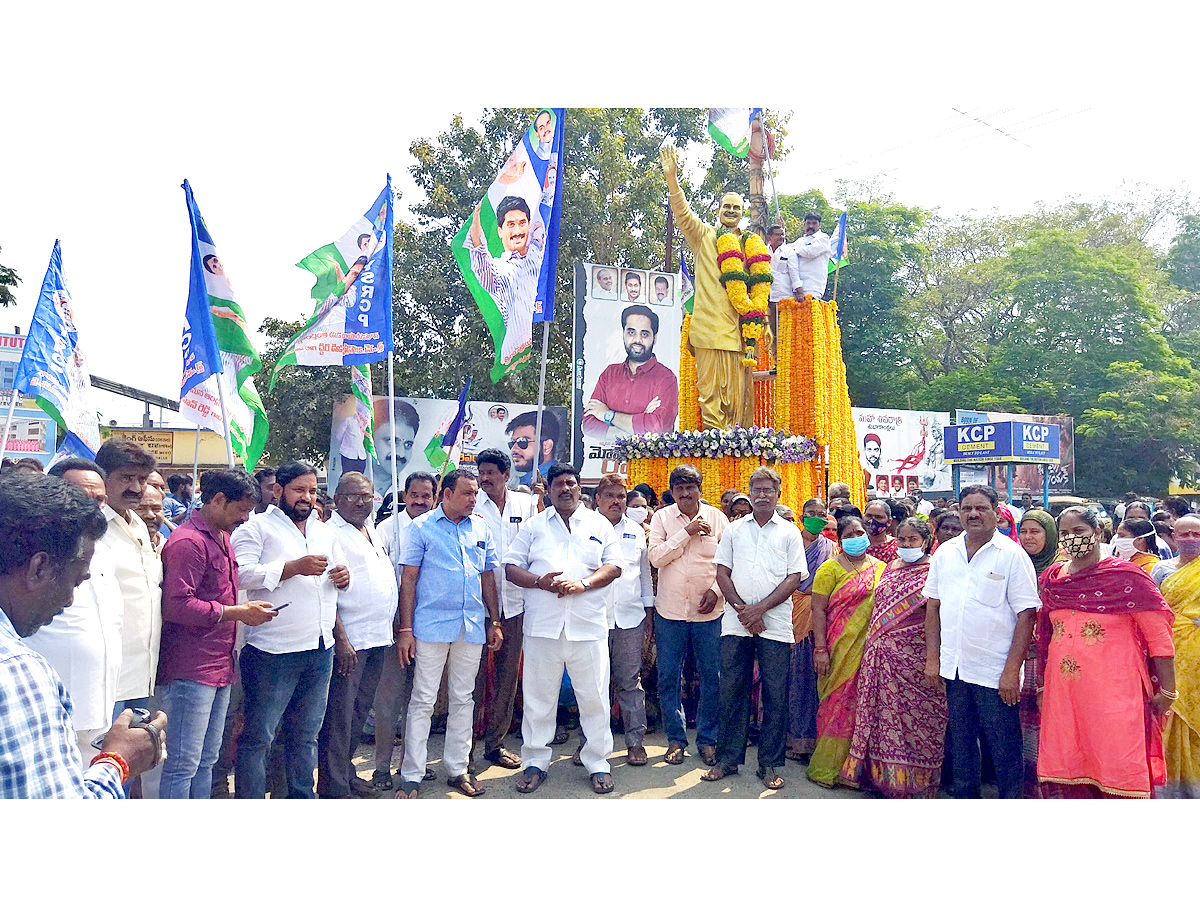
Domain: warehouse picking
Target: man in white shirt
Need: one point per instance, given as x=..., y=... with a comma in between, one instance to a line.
x=781, y=283
x=137, y=567
x=506, y=513
x=362, y=638
x=395, y=680
x=562, y=560
x=983, y=602
x=83, y=642
x=291, y=559
x=808, y=260
x=629, y=598
x=760, y=562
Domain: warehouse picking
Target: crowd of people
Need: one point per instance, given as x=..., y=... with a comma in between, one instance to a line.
x=908, y=648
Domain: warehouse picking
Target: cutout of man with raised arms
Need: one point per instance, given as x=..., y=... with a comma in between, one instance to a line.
x=715, y=339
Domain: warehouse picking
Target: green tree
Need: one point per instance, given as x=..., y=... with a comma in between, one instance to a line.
x=8, y=280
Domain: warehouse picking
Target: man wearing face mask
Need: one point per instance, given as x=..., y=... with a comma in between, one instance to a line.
x=986, y=586
x=877, y=520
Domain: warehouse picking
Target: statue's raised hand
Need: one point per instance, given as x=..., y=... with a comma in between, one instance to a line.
x=668, y=157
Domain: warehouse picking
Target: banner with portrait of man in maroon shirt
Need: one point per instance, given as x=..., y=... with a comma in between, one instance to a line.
x=627, y=327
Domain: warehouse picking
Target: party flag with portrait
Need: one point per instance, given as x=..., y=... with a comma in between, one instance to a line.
x=53, y=369
x=351, y=321
x=507, y=250
x=837, y=245
x=729, y=126
x=216, y=345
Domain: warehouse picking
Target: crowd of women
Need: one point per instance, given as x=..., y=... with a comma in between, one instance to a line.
x=1110, y=699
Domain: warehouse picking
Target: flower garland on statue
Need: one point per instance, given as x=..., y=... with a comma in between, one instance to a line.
x=768, y=443
x=751, y=305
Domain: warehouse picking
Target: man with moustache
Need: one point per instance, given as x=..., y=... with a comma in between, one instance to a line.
x=448, y=593
x=137, y=568
x=291, y=560
x=808, y=260
x=395, y=680
x=562, y=560
x=83, y=643
x=47, y=532
x=604, y=284
x=983, y=602
x=639, y=395
x=506, y=513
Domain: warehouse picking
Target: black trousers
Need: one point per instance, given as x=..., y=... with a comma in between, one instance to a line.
x=738, y=655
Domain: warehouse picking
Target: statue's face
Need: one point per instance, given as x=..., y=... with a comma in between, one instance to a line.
x=731, y=210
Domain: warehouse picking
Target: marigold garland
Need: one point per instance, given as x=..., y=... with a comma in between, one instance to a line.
x=689, y=393
x=744, y=289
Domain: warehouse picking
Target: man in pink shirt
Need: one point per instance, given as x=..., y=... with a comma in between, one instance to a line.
x=683, y=544
x=639, y=395
x=200, y=614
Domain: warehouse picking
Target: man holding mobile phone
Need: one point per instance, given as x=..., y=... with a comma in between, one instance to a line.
x=287, y=555
x=200, y=616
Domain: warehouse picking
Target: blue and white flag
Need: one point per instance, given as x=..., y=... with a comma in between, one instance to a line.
x=53, y=368
x=351, y=322
x=837, y=245
x=216, y=345
x=687, y=287
x=507, y=250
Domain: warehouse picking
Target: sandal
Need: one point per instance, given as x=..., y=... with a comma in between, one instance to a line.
x=530, y=780
x=708, y=753
x=716, y=773
x=408, y=790
x=430, y=775
x=770, y=779
x=674, y=754
x=796, y=756
x=577, y=758
x=561, y=736
x=465, y=785
x=636, y=756
x=383, y=781
x=505, y=759
x=602, y=783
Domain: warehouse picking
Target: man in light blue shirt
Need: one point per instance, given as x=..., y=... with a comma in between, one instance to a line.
x=444, y=600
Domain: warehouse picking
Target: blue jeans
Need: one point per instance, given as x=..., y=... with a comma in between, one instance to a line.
x=672, y=637
x=146, y=703
x=196, y=713
x=976, y=710
x=288, y=690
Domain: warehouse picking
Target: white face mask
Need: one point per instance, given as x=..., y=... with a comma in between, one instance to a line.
x=910, y=554
x=1123, y=547
x=637, y=514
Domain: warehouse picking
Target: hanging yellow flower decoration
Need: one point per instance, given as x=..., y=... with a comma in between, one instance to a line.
x=751, y=310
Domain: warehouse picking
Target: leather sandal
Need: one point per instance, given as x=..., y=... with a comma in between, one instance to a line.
x=530, y=780
x=465, y=785
x=674, y=754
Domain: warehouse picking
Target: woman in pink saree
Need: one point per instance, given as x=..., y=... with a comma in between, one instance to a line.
x=900, y=727
x=842, y=601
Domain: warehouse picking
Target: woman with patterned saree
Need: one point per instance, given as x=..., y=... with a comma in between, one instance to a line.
x=900, y=726
x=1181, y=589
x=1105, y=655
x=842, y=602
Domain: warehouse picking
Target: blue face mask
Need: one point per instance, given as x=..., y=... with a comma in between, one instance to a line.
x=856, y=546
x=1004, y=529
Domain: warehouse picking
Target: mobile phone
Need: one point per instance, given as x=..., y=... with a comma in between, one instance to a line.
x=281, y=606
x=140, y=717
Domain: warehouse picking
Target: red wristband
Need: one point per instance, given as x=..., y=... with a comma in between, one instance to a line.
x=116, y=759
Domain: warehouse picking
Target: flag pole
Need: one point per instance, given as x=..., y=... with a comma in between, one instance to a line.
x=836, y=273
x=228, y=424
x=196, y=462
x=770, y=174
x=395, y=474
x=537, y=431
x=12, y=405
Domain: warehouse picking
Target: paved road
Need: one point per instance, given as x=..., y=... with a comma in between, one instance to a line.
x=655, y=780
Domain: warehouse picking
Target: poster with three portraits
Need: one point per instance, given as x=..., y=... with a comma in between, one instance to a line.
x=627, y=327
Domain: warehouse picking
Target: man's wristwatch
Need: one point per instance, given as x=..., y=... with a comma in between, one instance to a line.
x=609, y=416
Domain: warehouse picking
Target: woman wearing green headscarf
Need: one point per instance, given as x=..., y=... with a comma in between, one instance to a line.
x=1039, y=536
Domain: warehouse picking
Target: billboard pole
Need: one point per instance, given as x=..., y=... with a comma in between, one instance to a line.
x=196, y=462
x=537, y=431
x=12, y=405
x=395, y=474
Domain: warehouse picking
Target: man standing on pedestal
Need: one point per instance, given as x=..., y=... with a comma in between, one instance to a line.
x=715, y=336
x=808, y=260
